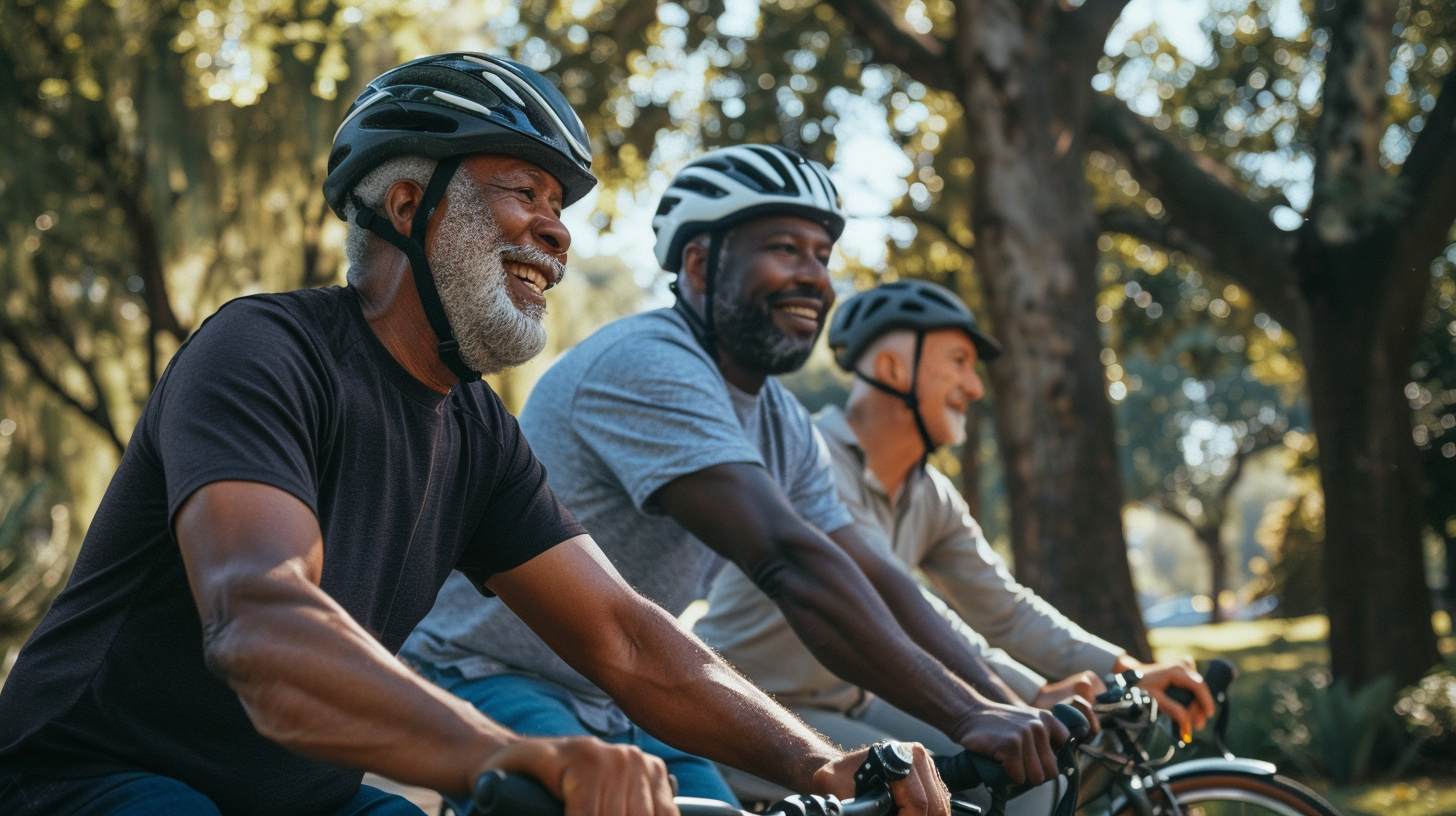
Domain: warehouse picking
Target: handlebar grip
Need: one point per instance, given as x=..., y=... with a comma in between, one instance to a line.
x=968, y=770
x=498, y=793
x=1219, y=674
x=1074, y=720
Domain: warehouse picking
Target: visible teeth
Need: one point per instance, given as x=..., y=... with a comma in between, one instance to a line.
x=531, y=276
x=802, y=311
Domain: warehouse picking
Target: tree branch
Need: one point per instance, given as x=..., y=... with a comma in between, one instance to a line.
x=921, y=56
x=1167, y=505
x=1096, y=18
x=1429, y=177
x=98, y=417
x=940, y=226
x=1162, y=232
x=1238, y=237
x=67, y=335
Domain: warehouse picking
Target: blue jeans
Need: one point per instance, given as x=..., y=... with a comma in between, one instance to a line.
x=537, y=708
x=138, y=793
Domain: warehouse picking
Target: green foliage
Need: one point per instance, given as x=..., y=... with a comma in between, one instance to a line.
x=12, y=529
x=1329, y=731
x=1432, y=395
x=1293, y=532
x=1428, y=710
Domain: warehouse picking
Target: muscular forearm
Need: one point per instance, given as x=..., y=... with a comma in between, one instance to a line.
x=675, y=687
x=931, y=631
x=316, y=682
x=840, y=616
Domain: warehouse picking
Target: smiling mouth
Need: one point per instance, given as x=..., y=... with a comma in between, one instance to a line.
x=801, y=311
x=532, y=277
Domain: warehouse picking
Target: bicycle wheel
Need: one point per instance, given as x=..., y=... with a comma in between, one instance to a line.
x=1236, y=793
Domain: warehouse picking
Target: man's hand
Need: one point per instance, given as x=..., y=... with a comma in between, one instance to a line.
x=1180, y=673
x=921, y=792
x=592, y=777
x=1077, y=691
x=1024, y=740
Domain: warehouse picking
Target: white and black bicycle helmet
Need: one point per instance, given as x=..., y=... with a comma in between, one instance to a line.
x=728, y=186
x=447, y=107
x=732, y=184
x=912, y=305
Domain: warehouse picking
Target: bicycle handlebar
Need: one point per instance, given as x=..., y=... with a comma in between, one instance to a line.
x=498, y=793
x=969, y=770
x=1217, y=677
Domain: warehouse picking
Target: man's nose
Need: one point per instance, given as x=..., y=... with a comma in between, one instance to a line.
x=974, y=387
x=551, y=234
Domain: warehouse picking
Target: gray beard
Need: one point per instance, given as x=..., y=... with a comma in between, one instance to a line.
x=469, y=270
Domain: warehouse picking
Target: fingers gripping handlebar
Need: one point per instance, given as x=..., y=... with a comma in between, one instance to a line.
x=969, y=770
x=1219, y=674
x=498, y=793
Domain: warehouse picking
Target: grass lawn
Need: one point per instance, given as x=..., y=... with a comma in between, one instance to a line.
x=1274, y=653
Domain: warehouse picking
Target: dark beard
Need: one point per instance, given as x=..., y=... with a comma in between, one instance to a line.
x=748, y=333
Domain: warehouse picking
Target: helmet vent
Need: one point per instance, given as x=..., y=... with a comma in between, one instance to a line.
x=700, y=187
x=931, y=294
x=668, y=202
x=759, y=181
x=876, y=306
x=912, y=306
x=339, y=155
x=414, y=120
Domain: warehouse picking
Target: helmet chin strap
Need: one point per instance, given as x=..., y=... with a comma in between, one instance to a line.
x=413, y=246
x=908, y=397
x=703, y=325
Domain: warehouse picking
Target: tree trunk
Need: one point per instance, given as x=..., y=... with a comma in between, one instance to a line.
x=1358, y=360
x=1035, y=251
x=1217, y=568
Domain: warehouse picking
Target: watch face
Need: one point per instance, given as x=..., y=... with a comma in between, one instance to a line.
x=898, y=758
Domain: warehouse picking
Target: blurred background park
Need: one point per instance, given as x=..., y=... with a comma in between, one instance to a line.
x=1215, y=237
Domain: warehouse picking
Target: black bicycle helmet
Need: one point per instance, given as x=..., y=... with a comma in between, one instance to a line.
x=912, y=305
x=730, y=185
x=448, y=107
x=460, y=104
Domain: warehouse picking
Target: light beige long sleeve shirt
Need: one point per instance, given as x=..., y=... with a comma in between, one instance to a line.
x=927, y=527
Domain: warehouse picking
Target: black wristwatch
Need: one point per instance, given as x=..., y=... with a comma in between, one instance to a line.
x=886, y=762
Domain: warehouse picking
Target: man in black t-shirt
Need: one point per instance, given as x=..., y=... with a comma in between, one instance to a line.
x=311, y=467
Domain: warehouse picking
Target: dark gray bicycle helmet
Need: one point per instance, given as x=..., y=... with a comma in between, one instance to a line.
x=911, y=305
x=730, y=185
x=460, y=104
x=448, y=107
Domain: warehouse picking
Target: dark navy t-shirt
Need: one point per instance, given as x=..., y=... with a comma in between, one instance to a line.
x=296, y=391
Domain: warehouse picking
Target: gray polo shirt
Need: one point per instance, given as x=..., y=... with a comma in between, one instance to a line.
x=928, y=527
x=633, y=407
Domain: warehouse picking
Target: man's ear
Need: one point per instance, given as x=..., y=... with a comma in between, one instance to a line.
x=400, y=204
x=891, y=370
x=695, y=265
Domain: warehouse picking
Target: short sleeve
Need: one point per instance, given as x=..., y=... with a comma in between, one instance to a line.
x=523, y=517
x=245, y=399
x=812, y=490
x=653, y=409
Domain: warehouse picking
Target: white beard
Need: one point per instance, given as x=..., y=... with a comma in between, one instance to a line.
x=468, y=265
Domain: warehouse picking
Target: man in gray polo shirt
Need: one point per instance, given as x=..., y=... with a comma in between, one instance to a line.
x=913, y=348
x=668, y=438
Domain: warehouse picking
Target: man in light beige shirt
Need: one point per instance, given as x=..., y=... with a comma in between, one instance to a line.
x=913, y=347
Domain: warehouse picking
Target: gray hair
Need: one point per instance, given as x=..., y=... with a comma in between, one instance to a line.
x=371, y=190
